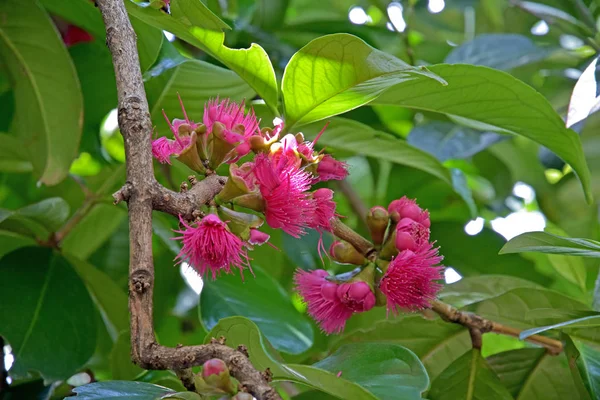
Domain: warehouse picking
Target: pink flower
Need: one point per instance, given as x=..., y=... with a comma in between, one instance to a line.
x=324, y=209
x=163, y=148
x=284, y=190
x=257, y=237
x=322, y=300
x=331, y=169
x=357, y=296
x=211, y=246
x=411, y=235
x=408, y=208
x=410, y=280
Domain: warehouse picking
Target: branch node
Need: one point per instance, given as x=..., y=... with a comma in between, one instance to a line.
x=141, y=281
x=122, y=194
x=267, y=375
x=221, y=340
x=193, y=180
x=244, y=350
x=183, y=187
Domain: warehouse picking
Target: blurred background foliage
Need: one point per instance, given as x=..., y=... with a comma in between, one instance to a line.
x=63, y=314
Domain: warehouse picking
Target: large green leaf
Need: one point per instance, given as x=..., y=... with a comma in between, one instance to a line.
x=437, y=343
x=38, y=219
x=503, y=51
x=577, y=368
x=588, y=365
x=13, y=157
x=41, y=71
x=121, y=390
x=10, y=241
x=386, y=370
x=196, y=82
x=82, y=13
x=391, y=366
x=262, y=300
x=47, y=315
x=491, y=99
x=468, y=378
x=548, y=243
x=477, y=288
x=193, y=22
x=340, y=72
x=591, y=321
x=532, y=374
x=110, y=299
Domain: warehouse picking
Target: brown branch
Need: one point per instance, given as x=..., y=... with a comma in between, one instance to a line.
x=476, y=324
x=142, y=193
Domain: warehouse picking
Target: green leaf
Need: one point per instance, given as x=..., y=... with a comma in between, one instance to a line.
x=109, y=298
x=47, y=314
x=386, y=370
x=37, y=219
x=532, y=374
x=13, y=157
x=577, y=368
x=468, y=378
x=497, y=101
x=269, y=14
x=193, y=22
x=121, y=390
x=10, y=241
x=503, y=51
x=346, y=134
x=121, y=366
x=93, y=230
x=588, y=365
x=477, y=288
x=238, y=330
x=446, y=140
x=548, y=243
x=149, y=42
x=552, y=15
x=196, y=82
x=571, y=268
x=584, y=322
x=437, y=343
x=82, y=13
x=41, y=71
x=340, y=72
x=262, y=300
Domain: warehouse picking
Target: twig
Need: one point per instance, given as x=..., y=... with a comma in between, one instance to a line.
x=475, y=322
x=140, y=191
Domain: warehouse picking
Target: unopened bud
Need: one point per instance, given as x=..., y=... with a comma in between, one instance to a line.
x=407, y=208
x=389, y=250
x=344, y=253
x=216, y=374
x=257, y=237
x=377, y=221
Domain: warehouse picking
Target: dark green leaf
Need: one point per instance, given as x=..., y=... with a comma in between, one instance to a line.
x=437, y=343
x=269, y=13
x=121, y=366
x=121, y=390
x=577, y=368
x=500, y=51
x=468, y=378
x=13, y=157
x=548, y=243
x=197, y=25
x=47, y=313
x=82, y=13
x=589, y=367
x=149, y=42
x=10, y=241
x=386, y=370
x=262, y=300
x=477, y=288
x=532, y=374
x=446, y=140
x=41, y=71
x=499, y=102
x=340, y=72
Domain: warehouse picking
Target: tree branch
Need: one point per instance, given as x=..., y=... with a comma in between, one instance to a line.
x=142, y=193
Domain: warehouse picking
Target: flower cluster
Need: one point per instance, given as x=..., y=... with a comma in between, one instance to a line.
x=277, y=183
x=404, y=275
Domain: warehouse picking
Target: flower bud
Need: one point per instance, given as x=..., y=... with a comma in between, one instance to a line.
x=357, y=296
x=222, y=141
x=257, y=237
x=389, y=250
x=377, y=221
x=408, y=208
x=216, y=374
x=329, y=168
x=344, y=253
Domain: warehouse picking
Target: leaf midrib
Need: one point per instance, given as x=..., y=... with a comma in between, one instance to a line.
x=38, y=307
x=29, y=74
